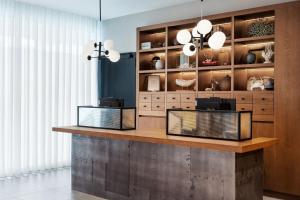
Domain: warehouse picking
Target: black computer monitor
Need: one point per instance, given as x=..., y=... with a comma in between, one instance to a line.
x=215, y=103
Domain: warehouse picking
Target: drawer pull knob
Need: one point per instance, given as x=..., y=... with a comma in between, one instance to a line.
x=187, y=107
x=145, y=97
x=188, y=98
x=243, y=99
x=242, y=108
x=145, y=106
x=173, y=107
x=263, y=99
x=174, y=98
x=263, y=109
x=157, y=106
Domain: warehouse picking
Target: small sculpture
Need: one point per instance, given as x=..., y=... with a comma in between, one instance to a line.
x=268, y=53
x=185, y=83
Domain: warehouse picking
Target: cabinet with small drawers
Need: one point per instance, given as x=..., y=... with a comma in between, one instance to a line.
x=260, y=103
x=152, y=103
x=181, y=100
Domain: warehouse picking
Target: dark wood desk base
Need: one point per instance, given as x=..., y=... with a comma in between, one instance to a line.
x=130, y=170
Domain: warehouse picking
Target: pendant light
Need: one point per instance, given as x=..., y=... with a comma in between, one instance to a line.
x=204, y=26
x=99, y=49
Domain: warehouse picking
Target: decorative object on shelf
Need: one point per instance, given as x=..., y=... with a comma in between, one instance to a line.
x=183, y=59
x=146, y=45
x=251, y=57
x=209, y=60
x=157, y=63
x=225, y=83
x=185, y=83
x=215, y=85
x=268, y=82
x=153, y=83
x=94, y=49
x=261, y=27
x=204, y=26
x=267, y=53
x=254, y=83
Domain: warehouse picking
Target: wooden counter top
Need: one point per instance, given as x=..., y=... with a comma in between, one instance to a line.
x=159, y=136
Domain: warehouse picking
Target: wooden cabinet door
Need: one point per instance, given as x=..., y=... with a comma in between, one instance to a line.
x=287, y=98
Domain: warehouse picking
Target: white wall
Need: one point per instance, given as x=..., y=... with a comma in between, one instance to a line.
x=123, y=30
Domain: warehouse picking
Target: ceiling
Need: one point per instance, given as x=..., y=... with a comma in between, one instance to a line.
x=110, y=8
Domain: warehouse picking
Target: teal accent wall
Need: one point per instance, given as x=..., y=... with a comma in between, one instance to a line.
x=118, y=79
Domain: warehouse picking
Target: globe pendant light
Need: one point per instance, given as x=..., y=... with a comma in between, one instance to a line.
x=217, y=40
x=108, y=45
x=204, y=26
x=189, y=49
x=184, y=36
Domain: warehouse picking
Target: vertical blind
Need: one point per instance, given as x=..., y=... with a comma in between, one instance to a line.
x=42, y=79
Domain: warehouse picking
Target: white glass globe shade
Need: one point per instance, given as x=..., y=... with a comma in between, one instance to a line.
x=189, y=49
x=108, y=44
x=217, y=40
x=88, y=49
x=114, y=56
x=204, y=26
x=195, y=32
x=184, y=36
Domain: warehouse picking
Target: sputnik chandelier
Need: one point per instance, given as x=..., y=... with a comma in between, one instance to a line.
x=101, y=49
x=191, y=40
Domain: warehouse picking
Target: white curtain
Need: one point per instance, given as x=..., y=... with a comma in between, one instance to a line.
x=43, y=78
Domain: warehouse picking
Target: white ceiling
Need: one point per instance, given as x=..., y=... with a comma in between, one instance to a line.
x=110, y=8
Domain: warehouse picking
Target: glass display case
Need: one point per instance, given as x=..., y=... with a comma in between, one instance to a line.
x=226, y=125
x=106, y=117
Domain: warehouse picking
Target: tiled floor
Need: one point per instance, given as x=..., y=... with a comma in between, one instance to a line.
x=55, y=185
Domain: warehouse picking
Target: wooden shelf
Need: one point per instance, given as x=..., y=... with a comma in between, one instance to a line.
x=152, y=71
x=255, y=39
x=181, y=70
x=222, y=67
x=152, y=50
x=175, y=47
x=257, y=65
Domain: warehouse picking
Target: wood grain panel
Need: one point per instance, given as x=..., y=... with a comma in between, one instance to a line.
x=150, y=122
x=287, y=99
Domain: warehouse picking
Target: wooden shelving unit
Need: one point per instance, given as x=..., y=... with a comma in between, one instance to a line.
x=231, y=61
x=275, y=113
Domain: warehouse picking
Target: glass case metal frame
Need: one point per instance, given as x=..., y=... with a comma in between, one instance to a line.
x=213, y=111
x=114, y=108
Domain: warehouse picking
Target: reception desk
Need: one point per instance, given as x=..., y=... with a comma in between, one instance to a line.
x=149, y=165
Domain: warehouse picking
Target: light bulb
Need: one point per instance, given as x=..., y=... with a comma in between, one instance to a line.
x=88, y=49
x=108, y=44
x=204, y=26
x=114, y=56
x=217, y=40
x=184, y=36
x=195, y=33
x=189, y=49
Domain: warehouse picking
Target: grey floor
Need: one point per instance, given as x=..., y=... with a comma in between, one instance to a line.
x=54, y=185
